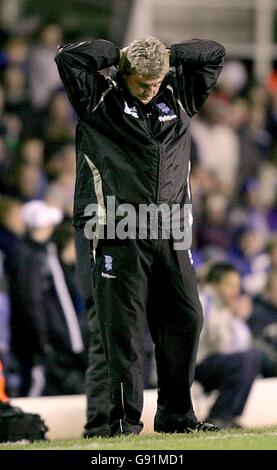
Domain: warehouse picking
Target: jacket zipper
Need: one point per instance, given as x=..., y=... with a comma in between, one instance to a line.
x=158, y=183
x=158, y=186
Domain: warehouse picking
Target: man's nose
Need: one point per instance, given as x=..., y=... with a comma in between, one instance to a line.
x=151, y=91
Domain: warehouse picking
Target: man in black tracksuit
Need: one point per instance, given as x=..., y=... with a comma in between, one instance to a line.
x=133, y=144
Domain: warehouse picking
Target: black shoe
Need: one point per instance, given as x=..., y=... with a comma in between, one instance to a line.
x=203, y=426
x=225, y=423
x=123, y=428
x=92, y=434
x=176, y=424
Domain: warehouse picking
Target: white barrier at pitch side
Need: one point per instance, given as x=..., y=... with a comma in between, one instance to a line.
x=65, y=415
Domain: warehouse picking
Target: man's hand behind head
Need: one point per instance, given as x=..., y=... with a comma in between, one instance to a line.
x=123, y=60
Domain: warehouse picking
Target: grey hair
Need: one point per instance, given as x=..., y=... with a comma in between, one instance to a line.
x=148, y=57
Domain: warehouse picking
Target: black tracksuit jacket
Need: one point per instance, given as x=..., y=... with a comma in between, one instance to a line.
x=137, y=153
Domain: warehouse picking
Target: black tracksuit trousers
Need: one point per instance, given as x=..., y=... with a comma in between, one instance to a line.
x=97, y=375
x=136, y=280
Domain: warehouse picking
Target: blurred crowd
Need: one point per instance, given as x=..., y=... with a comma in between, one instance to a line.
x=234, y=186
x=42, y=322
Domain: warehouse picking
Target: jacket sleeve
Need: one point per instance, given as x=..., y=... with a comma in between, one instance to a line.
x=198, y=64
x=78, y=66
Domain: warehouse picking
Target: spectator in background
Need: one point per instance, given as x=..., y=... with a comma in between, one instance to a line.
x=263, y=321
x=46, y=336
x=251, y=210
x=61, y=169
x=59, y=124
x=214, y=229
x=233, y=79
x=44, y=79
x=31, y=151
x=12, y=229
x=10, y=131
x=17, y=51
x=259, y=99
x=250, y=155
x=217, y=145
x=68, y=371
x=63, y=238
x=248, y=257
x=29, y=181
x=12, y=226
x=18, y=100
x=226, y=360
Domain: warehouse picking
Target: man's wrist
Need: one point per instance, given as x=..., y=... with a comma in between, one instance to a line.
x=123, y=59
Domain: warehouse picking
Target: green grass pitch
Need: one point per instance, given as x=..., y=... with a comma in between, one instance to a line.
x=246, y=439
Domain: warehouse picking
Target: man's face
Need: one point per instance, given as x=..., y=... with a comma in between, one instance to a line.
x=229, y=287
x=143, y=88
